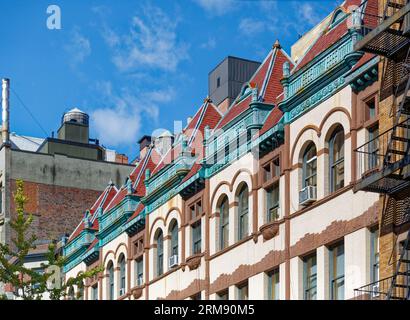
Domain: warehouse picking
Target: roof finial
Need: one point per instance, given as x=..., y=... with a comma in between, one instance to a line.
x=207, y=99
x=276, y=45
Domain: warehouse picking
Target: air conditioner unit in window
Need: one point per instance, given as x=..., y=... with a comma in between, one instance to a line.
x=375, y=291
x=122, y=291
x=173, y=261
x=140, y=281
x=307, y=195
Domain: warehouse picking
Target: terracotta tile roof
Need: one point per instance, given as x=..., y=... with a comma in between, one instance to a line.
x=363, y=60
x=92, y=245
x=274, y=87
x=207, y=115
x=137, y=211
x=103, y=200
x=329, y=37
x=116, y=199
x=269, y=75
x=273, y=118
x=140, y=186
x=195, y=168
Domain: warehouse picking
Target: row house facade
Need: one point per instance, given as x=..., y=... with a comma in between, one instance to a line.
x=256, y=202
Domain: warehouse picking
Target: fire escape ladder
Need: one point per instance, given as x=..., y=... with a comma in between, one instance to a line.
x=398, y=146
x=400, y=284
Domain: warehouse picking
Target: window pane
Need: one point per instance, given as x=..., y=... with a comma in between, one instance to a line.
x=310, y=280
x=160, y=254
x=196, y=238
x=224, y=223
x=273, y=285
x=243, y=292
x=337, y=272
x=374, y=256
x=310, y=166
x=272, y=203
x=243, y=212
x=337, y=161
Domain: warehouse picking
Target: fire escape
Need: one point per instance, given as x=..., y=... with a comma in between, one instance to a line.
x=383, y=162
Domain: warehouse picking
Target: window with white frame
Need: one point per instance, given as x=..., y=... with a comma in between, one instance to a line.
x=310, y=277
x=122, y=266
x=336, y=159
x=224, y=223
x=94, y=292
x=160, y=253
x=174, y=238
x=272, y=203
x=310, y=166
x=243, y=211
x=273, y=284
x=139, y=271
x=337, y=271
x=374, y=255
x=110, y=281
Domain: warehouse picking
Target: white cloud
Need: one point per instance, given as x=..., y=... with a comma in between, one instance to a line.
x=150, y=43
x=307, y=13
x=249, y=27
x=120, y=120
x=115, y=127
x=216, y=7
x=78, y=47
x=210, y=44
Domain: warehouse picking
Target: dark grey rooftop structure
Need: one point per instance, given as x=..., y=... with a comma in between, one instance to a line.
x=226, y=79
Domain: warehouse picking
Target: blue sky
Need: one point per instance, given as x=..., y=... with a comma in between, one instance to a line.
x=134, y=66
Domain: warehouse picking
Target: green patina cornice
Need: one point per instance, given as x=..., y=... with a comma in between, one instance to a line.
x=320, y=79
x=364, y=76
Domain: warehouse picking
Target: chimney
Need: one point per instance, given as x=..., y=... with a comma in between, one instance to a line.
x=188, y=120
x=144, y=143
x=5, y=128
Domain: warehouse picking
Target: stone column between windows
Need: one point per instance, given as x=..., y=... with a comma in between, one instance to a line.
x=257, y=286
x=322, y=263
x=357, y=261
x=296, y=268
x=206, y=199
x=146, y=256
x=287, y=168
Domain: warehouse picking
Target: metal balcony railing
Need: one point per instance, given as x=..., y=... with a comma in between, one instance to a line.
x=384, y=32
x=377, y=290
x=377, y=173
x=368, y=13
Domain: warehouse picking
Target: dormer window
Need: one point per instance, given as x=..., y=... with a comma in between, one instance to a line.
x=337, y=18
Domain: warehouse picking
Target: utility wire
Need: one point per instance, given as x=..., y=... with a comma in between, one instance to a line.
x=28, y=111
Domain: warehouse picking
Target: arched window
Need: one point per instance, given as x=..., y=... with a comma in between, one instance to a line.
x=310, y=166
x=224, y=223
x=174, y=241
x=71, y=293
x=81, y=291
x=110, y=281
x=243, y=208
x=336, y=160
x=121, y=263
x=160, y=253
x=339, y=15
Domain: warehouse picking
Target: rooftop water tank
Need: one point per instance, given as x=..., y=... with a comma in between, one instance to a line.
x=77, y=116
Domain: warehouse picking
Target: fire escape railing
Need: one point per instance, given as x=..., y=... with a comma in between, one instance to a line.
x=383, y=162
x=373, y=165
x=377, y=290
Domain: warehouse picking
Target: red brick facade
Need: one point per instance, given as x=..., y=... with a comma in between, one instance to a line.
x=56, y=209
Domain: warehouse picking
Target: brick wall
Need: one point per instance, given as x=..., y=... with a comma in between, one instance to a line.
x=56, y=210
